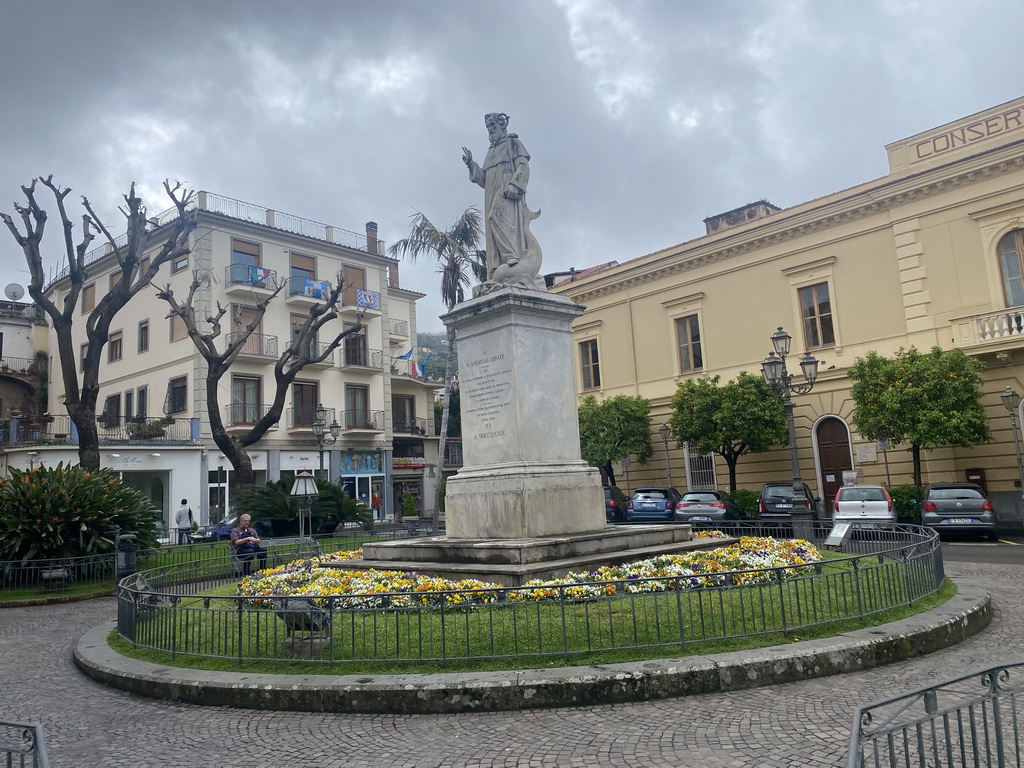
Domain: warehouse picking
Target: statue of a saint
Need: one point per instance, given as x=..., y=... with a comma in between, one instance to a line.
x=513, y=253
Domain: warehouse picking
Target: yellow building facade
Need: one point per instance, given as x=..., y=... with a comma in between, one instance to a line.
x=932, y=254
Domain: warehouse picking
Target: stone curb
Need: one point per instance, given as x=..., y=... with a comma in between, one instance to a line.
x=56, y=599
x=966, y=614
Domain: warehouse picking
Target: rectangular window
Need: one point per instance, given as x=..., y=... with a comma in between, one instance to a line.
x=298, y=321
x=177, y=395
x=591, y=369
x=403, y=413
x=356, y=352
x=816, y=314
x=89, y=298
x=142, y=402
x=129, y=403
x=115, y=347
x=355, y=279
x=245, y=399
x=246, y=264
x=178, y=329
x=84, y=352
x=357, y=407
x=115, y=279
x=144, y=263
x=688, y=334
x=302, y=267
x=179, y=264
x=305, y=398
x=111, y=416
x=144, y=336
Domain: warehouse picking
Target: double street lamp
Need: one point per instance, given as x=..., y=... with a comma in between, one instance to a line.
x=1011, y=401
x=781, y=381
x=322, y=434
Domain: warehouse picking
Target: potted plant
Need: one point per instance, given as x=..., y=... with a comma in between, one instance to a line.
x=410, y=516
x=145, y=430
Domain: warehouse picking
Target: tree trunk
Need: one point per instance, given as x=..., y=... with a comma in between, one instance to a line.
x=445, y=402
x=610, y=473
x=915, y=451
x=730, y=460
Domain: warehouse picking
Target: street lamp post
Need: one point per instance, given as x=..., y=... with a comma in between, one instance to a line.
x=304, y=489
x=1011, y=400
x=322, y=434
x=780, y=379
x=665, y=430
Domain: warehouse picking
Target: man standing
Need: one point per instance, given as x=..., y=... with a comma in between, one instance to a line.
x=246, y=543
x=513, y=254
x=183, y=520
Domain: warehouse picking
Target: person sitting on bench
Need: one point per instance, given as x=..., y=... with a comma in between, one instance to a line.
x=246, y=543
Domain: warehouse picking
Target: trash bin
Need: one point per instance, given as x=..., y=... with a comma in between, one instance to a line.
x=127, y=555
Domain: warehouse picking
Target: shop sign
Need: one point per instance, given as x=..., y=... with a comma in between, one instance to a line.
x=408, y=462
x=361, y=463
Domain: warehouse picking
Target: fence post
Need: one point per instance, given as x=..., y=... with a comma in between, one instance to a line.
x=782, y=602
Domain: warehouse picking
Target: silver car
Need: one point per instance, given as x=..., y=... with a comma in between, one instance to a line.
x=866, y=506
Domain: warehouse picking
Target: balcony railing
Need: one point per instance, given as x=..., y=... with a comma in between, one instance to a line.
x=360, y=298
x=356, y=354
x=410, y=425
x=23, y=366
x=308, y=288
x=257, y=345
x=360, y=419
x=303, y=418
x=398, y=327
x=254, y=277
x=117, y=428
x=988, y=327
x=244, y=414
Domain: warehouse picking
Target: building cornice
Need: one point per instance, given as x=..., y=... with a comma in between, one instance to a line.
x=817, y=215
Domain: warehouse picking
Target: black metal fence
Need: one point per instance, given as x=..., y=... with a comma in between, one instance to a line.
x=22, y=745
x=177, y=609
x=974, y=720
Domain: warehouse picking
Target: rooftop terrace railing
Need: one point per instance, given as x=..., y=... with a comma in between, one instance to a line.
x=896, y=567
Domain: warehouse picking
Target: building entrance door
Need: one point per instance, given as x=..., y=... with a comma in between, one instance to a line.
x=834, y=457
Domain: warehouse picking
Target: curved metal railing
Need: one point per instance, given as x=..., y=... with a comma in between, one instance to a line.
x=183, y=609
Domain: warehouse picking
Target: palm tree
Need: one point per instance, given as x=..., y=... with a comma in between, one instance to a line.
x=457, y=256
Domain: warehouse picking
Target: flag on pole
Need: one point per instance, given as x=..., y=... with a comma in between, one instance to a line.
x=406, y=356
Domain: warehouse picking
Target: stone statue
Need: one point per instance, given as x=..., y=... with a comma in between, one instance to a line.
x=513, y=253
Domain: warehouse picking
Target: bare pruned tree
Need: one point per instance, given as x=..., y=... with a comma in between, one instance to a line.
x=138, y=262
x=301, y=352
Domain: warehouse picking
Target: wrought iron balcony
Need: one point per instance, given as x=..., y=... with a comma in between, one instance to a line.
x=248, y=276
x=315, y=350
x=306, y=290
x=359, y=356
x=244, y=415
x=410, y=425
x=356, y=300
x=257, y=345
x=359, y=419
x=303, y=418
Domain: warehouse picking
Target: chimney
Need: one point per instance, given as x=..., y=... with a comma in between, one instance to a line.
x=393, y=276
x=371, y=237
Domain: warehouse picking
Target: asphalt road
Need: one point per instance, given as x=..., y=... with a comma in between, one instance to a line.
x=1008, y=550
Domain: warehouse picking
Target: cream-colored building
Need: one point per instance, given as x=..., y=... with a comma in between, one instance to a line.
x=152, y=409
x=930, y=254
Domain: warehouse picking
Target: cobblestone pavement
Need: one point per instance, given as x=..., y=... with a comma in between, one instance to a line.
x=801, y=724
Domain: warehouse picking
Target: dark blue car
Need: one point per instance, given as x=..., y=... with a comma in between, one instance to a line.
x=653, y=504
x=222, y=530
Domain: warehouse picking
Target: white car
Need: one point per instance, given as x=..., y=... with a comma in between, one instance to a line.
x=866, y=506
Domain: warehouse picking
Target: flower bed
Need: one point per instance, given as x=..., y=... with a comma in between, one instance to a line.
x=372, y=588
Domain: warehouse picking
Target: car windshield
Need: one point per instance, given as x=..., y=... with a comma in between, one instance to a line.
x=227, y=520
x=861, y=494
x=955, y=493
x=780, y=492
x=700, y=497
x=650, y=493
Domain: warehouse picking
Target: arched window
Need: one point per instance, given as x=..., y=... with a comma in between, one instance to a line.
x=1011, y=262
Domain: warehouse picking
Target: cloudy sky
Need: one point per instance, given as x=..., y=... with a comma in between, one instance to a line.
x=643, y=117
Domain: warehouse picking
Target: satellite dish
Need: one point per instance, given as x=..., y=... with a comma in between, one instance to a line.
x=14, y=292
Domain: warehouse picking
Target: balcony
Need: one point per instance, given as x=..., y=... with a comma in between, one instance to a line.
x=356, y=357
x=398, y=330
x=358, y=420
x=257, y=347
x=22, y=366
x=315, y=350
x=245, y=280
x=303, y=418
x=410, y=425
x=115, y=429
x=305, y=292
x=243, y=416
x=995, y=331
x=356, y=301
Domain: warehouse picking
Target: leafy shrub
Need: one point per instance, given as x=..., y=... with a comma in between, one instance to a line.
x=274, y=502
x=409, y=506
x=744, y=503
x=906, y=500
x=63, y=511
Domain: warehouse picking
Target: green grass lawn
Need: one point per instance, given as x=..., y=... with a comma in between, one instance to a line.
x=539, y=634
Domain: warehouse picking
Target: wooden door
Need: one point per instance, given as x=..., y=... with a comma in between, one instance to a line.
x=833, y=458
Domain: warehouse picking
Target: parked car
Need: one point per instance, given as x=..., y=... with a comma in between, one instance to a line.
x=778, y=500
x=703, y=507
x=958, y=508
x=652, y=504
x=865, y=506
x=615, y=502
x=222, y=529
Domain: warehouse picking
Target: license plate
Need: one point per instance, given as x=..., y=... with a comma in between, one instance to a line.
x=960, y=520
x=783, y=506
x=701, y=518
x=865, y=525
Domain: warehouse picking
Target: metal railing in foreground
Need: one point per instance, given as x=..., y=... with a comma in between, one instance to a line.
x=974, y=720
x=177, y=609
x=22, y=745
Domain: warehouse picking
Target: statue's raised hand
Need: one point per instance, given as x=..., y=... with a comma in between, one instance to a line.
x=467, y=156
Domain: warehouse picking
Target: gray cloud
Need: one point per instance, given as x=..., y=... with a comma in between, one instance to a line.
x=642, y=117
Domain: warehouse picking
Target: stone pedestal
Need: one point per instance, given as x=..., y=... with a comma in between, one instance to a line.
x=522, y=475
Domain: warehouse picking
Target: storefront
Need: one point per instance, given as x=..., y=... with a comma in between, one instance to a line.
x=408, y=479
x=362, y=478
